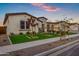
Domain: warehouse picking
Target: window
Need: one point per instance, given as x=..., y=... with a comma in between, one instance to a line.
x=43, y=27
x=27, y=25
x=52, y=27
x=22, y=24
x=48, y=27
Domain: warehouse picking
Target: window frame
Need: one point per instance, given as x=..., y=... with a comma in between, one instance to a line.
x=21, y=25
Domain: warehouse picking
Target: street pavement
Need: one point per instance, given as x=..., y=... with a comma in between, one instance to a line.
x=71, y=52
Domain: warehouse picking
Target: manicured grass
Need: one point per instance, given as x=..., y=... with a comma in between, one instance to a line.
x=26, y=38
x=71, y=33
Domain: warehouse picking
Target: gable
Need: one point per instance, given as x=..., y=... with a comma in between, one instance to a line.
x=13, y=14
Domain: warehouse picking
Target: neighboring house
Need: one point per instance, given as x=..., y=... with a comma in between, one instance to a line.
x=53, y=26
x=23, y=22
x=50, y=27
x=42, y=25
x=57, y=26
x=74, y=27
x=64, y=26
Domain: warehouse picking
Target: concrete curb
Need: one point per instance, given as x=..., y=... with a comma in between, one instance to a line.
x=9, y=40
x=55, y=49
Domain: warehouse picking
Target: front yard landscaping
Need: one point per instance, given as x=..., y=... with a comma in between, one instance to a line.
x=20, y=38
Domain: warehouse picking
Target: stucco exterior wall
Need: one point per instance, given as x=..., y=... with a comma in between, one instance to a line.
x=74, y=28
x=56, y=27
x=13, y=24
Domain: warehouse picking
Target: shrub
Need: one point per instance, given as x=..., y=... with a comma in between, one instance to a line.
x=12, y=34
x=33, y=33
x=21, y=33
x=27, y=32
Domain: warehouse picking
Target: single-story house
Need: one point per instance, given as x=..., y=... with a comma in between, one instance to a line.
x=23, y=22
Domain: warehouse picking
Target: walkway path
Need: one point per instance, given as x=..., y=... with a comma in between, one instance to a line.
x=4, y=40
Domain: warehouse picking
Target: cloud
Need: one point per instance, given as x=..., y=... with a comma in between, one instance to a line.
x=37, y=4
x=45, y=7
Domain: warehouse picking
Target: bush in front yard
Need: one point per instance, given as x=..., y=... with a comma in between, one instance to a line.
x=21, y=33
x=12, y=34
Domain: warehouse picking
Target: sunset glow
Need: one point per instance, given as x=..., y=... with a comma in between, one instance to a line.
x=52, y=11
x=45, y=7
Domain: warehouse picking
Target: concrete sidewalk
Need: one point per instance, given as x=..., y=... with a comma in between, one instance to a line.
x=4, y=40
x=10, y=48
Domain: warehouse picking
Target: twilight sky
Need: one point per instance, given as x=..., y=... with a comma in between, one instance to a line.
x=52, y=11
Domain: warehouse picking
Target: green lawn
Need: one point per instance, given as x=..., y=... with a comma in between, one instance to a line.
x=26, y=38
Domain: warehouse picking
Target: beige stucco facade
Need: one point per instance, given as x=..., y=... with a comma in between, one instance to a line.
x=74, y=28
x=57, y=26
x=42, y=24
x=13, y=24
